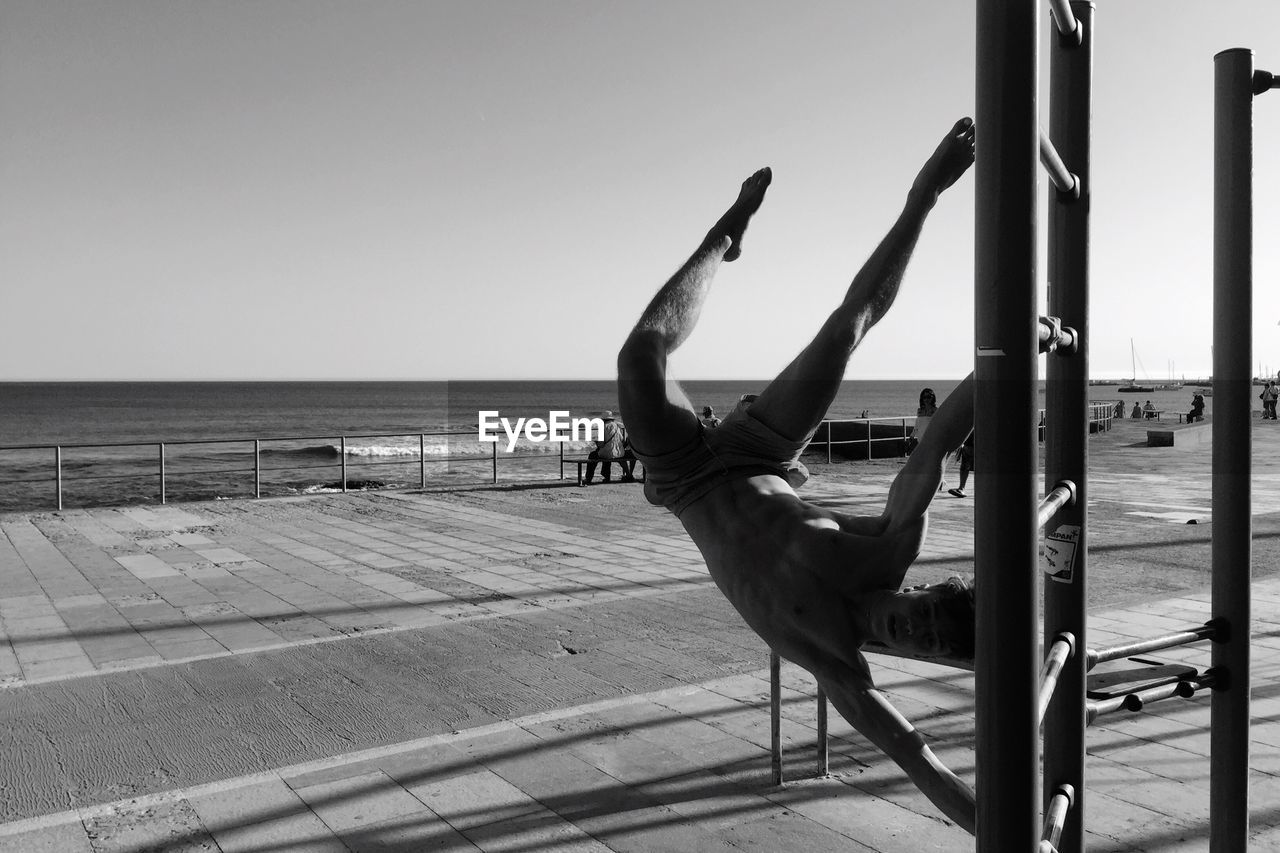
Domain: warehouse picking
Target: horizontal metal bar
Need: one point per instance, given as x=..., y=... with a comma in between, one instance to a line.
x=1061, y=177
x=1093, y=657
x=1065, y=340
x=1063, y=648
x=1094, y=710
x=1063, y=18
x=1139, y=699
x=250, y=439
x=1056, y=815
x=1063, y=493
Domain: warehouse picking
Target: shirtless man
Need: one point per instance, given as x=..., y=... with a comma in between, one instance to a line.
x=813, y=583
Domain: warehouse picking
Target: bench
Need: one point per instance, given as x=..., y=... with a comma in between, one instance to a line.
x=1152, y=414
x=582, y=462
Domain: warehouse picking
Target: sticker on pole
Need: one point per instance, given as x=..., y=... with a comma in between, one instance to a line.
x=1060, y=553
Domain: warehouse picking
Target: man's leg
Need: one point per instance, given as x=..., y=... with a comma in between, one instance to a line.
x=659, y=416
x=797, y=400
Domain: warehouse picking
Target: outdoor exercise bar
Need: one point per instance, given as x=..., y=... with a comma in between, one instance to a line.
x=1063, y=17
x=1232, y=445
x=1093, y=657
x=1056, y=816
x=1062, y=649
x=1005, y=370
x=1059, y=174
x=1067, y=416
x=1062, y=494
x=1066, y=341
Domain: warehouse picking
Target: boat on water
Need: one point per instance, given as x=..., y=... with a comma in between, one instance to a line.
x=1132, y=386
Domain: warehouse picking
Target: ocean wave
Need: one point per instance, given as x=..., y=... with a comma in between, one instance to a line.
x=432, y=449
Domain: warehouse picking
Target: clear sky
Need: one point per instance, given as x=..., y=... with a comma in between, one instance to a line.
x=460, y=189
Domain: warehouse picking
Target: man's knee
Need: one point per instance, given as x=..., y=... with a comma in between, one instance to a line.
x=643, y=356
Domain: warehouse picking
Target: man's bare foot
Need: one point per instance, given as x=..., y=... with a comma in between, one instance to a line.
x=734, y=222
x=951, y=159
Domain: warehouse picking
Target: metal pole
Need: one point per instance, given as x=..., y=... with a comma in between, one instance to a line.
x=1005, y=532
x=257, y=468
x=162, y=492
x=57, y=459
x=343, y=449
x=495, y=462
x=1059, y=175
x=1067, y=425
x=823, y=758
x=775, y=714
x=422, y=458
x=1232, y=444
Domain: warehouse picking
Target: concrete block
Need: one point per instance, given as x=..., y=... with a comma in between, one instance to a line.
x=1197, y=436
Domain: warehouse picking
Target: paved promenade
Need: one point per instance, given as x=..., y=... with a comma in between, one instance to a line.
x=540, y=667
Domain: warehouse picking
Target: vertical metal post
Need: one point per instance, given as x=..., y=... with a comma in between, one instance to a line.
x=823, y=756
x=495, y=462
x=162, y=491
x=1232, y=444
x=829, y=428
x=775, y=715
x=257, y=468
x=1005, y=531
x=1069, y=414
x=57, y=461
x=422, y=459
x=343, y=449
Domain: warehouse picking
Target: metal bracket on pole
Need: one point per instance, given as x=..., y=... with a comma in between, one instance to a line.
x=1264, y=80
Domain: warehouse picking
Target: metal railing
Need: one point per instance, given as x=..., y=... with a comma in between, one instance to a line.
x=1101, y=416
x=164, y=472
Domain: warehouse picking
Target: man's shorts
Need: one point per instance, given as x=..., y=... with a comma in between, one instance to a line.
x=740, y=447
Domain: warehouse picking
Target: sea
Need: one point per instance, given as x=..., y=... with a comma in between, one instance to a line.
x=107, y=443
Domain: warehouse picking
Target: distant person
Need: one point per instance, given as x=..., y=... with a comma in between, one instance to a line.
x=612, y=447
x=1197, y=409
x=814, y=582
x=709, y=419
x=924, y=412
x=1148, y=410
x=965, y=454
x=1137, y=410
x=1268, y=396
x=1119, y=408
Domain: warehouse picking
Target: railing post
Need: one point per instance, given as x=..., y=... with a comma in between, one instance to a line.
x=828, y=442
x=343, y=448
x=163, y=498
x=1006, y=337
x=495, y=462
x=57, y=458
x=1232, y=445
x=257, y=468
x=422, y=459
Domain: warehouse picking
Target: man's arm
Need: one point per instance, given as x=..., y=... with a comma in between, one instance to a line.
x=881, y=724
